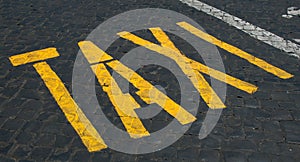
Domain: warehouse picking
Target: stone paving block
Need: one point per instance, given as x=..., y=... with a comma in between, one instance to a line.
x=5, y=147
x=25, y=137
x=270, y=147
x=277, y=158
x=13, y=124
x=258, y=157
x=209, y=155
x=234, y=132
x=238, y=144
x=102, y=155
x=282, y=115
x=5, y=135
x=188, y=154
x=6, y=159
x=21, y=152
x=80, y=155
x=40, y=153
x=211, y=142
x=60, y=155
x=234, y=156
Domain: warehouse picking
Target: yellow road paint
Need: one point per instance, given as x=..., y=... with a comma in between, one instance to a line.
x=92, y=53
x=145, y=88
x=123, y=103
x=235, y=82
x=165, y=41
x=236, y=51
x=73, y=113
x=206, y=92
x=34, y=56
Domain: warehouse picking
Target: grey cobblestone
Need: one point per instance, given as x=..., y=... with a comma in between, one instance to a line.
x=264, y=126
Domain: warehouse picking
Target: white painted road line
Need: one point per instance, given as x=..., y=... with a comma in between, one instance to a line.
x=258, y=33
x=297, y=40
x=291, y=12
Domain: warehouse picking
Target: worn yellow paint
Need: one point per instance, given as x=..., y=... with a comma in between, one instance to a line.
x=236, y=51
x=88, y=134
x=92, y=53
x=123, y=103
x=165, y=41
x=34, y=56
x=235, y=82
x=146, y=88
x=206, y=92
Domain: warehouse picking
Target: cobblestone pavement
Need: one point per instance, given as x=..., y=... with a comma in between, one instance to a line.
x=264, y=126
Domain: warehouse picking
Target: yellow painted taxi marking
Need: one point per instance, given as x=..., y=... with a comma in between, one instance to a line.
x=236, y=51
x=34, y=56
x=92, y=53
x=206, y=92
x=123, y=103
x=165, y=41
x=145, y=88
x=88, y=134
